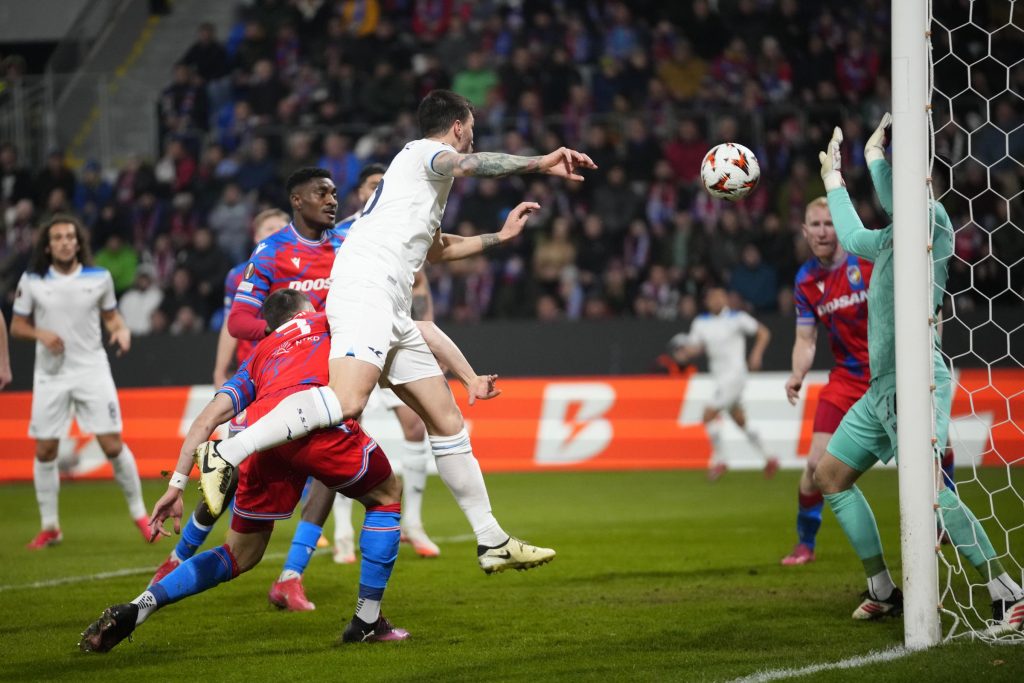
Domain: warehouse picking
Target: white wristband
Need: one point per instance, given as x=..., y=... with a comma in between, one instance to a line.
x=178, y=480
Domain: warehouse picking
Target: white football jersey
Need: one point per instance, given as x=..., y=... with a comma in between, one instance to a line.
x=722, y=337
x=68, y=305
x=392, y=236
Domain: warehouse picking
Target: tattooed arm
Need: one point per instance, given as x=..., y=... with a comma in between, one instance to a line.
x=448, y=247
x=422, y=299
x=562, y=162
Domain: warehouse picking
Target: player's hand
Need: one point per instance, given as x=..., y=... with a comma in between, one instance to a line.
x=122, y=339
x=5, y=376
x=169, y=506
x=51, y=341
x=879, y=140
x=754, y=362
x=563, y=163
x=831, y=162
x=793, y=386
x=483, y=388
x=516, y=220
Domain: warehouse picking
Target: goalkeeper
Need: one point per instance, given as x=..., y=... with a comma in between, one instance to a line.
x=868, y=431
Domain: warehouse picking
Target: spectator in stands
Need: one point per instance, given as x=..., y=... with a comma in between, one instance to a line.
x=184, y=107
x=754, y=281
x=181, y=310
x=207, y=265
x=147, y=220
x=258, y=171
x=229, y=219
x=15, y=181
x=476, y=80
x=341, y=162
x=91, y=193
x=141, y=301
x=121, y=259
x=207, y=57
x=55, y=174
x=617, y=205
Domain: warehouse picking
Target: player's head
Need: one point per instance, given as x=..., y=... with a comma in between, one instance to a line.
x=266, y=223
x=819, y=231
x=283, y=305
x=449, y=116
x=716, y=299
x=313, y=198
x=369, y=179
x=62, y=241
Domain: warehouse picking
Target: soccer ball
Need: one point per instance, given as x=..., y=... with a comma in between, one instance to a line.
x=730, y=171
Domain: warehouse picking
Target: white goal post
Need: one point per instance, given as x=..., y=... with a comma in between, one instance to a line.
x=911, y=159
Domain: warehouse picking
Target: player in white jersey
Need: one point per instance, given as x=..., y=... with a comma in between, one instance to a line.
x=415, y=455
x=5, y=356
x=59, y=304
x=373, y=338
x=720, y=334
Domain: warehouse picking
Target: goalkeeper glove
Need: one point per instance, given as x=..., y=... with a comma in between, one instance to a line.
x=876, y=144
x=831, y=160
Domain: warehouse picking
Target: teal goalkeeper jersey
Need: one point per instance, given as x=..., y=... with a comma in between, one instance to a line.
x=876, y=246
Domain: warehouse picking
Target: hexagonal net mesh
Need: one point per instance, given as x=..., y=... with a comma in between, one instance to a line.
x=977, y=58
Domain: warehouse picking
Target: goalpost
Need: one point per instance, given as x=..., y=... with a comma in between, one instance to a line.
x=953, y=67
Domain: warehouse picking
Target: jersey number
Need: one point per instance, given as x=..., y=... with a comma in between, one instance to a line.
x=300, y=323
x=374, y=198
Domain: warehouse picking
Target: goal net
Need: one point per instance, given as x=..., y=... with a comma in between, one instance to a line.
x=977, y=166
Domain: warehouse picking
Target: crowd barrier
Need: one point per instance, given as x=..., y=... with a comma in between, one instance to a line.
x=559, y=423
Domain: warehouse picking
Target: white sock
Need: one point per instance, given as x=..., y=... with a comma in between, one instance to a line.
x=342, y=509
x=714, y=430
x=414, y=482
x=47, y=482
x=368, y=610
x=881, y=586
x=293, y=418
x=127, y=475
x=147, y=605
x=461, y=473
x=1002, y=587
x=754, y=437
x=289, y=574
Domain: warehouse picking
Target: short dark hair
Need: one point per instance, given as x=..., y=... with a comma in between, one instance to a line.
x=439, y=110
x=304, y=175
x=369, y=170
x=282, y=305
x=42, y=259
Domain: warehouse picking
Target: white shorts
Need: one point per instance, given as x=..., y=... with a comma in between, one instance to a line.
x=90, y=397
x=387, y=398
x=370, y=323
x=728, y=392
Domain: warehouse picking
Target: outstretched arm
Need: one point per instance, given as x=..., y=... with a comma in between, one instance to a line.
x=422, y=299
x=881, y=171
x=451, y=356
x=562, y=162
x=855, y=238
x=448, y=247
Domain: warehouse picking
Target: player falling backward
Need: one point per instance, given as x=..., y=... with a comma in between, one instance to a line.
x=299, y=255
x=830, y=288
x=373, y=338
x=292, y=357
x=719, y=334
x=867, y=433
x=59, y=304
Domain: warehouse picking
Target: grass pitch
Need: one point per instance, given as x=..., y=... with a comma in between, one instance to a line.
x=659, y=576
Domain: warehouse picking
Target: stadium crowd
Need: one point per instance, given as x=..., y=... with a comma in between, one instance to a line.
x=644, y=87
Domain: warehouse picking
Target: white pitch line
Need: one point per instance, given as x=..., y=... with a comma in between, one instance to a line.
x=850, y=663
x=134, y=571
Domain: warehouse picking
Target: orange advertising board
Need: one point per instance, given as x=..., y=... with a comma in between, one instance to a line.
x=561, y=423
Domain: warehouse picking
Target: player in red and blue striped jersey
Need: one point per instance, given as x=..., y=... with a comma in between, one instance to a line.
x=831, y=288
x=265, y=224
x=292, y=357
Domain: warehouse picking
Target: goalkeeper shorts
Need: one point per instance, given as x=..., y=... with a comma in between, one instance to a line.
x=867, y=433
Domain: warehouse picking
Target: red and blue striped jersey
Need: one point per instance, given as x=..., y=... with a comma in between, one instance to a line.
x=838, y=298
x=288, y=260
x=231, y=282
x=295, y=354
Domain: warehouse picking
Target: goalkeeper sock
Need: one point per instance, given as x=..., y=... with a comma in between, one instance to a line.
x=881, y=585
x=192, y=537
x=808, y=517
x=378, y=546
x=293, y=418
x=303, y=545
x=200, y=573
x=1004, y=588
x=858, y=523
x=968, y=535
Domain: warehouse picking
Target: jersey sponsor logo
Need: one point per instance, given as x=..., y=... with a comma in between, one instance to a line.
x=244, y=286
x=249, y=270
x=316, y=285
x=821, y=285
x=854, y=275
x=844, y=301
